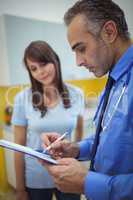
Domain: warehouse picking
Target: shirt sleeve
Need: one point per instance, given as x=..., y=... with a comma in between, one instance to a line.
x=86, y=148
x=19, y=116
x=100, y=186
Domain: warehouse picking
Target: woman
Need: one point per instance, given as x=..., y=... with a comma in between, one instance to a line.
x=49, y=105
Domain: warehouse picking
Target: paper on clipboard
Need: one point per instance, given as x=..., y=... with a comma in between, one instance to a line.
x=20, y=148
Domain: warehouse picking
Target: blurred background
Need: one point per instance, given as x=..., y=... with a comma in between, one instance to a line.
x=20, y=23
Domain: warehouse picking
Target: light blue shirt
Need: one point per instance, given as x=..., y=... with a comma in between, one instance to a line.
x=57, y=119
x=113, y=175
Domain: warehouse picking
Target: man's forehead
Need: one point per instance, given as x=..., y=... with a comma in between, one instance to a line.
x=76, y=30
x=77, y=23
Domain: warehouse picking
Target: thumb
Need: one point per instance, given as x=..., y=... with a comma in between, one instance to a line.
x=65, y=161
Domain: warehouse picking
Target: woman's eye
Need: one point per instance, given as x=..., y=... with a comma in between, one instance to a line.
x=33, y=69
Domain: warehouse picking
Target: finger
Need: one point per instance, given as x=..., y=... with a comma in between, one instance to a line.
x=56, y=145
x=55, y=136
x=50, y=135
x=60, y=145
x=57, y=156
x=48, y=138
x=45, y=137
x=66, y=161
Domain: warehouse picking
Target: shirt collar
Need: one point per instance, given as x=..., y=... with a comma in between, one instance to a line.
x=123, y=64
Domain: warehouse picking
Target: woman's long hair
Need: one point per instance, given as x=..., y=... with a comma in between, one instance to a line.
x=41, y=52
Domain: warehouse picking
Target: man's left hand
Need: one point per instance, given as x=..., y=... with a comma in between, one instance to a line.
x=68, y=175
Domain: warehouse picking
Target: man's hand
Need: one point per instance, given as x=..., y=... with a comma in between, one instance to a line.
x=68, y=175
x=49, y=138
x=60, y=149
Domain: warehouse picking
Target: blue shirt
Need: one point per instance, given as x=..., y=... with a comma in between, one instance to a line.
x=57, y=119
x=113, y=175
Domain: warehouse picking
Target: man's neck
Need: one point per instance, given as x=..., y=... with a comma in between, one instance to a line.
x=120, y=48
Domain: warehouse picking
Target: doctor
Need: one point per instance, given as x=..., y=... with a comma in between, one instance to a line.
x=98, y=35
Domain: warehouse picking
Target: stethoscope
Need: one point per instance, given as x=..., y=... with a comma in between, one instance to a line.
x=125, y=85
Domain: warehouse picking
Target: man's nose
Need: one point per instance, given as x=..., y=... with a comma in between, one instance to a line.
x=79, y=60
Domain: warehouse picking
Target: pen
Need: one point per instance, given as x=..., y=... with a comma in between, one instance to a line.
x=58, y=139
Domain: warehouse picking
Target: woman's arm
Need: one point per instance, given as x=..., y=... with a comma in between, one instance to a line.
x=20, y=138
x=79, y=129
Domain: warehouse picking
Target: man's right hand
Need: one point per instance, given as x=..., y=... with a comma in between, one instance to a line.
x=22, y=195
x=59, y=149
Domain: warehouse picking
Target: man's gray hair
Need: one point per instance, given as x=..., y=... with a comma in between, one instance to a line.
x=98, y=12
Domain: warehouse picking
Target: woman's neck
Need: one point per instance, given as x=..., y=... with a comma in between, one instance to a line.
x=51, y=96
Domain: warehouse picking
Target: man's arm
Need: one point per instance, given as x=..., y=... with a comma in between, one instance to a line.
x=71, y=176
x=86, y=148
x=100, y=186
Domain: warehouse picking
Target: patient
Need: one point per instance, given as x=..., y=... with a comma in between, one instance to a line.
x=48, y=105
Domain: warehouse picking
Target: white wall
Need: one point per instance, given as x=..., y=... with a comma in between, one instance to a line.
x=127, y=6
x=53, y=10
x=4, y=78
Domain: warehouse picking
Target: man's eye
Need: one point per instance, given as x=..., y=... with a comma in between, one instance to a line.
x=81, y=49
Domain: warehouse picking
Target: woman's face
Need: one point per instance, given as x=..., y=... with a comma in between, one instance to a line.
x=44, y=73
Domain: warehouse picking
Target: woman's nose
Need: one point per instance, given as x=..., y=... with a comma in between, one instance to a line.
x=40, y=70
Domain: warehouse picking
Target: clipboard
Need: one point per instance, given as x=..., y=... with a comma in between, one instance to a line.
x=27, y=150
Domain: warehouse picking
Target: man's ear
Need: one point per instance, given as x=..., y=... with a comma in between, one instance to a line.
x=109, y=32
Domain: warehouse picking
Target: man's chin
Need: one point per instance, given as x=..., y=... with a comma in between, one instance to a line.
x=93, y=71
x=98, y=75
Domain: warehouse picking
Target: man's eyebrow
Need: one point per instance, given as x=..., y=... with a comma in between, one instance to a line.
x=76, y=45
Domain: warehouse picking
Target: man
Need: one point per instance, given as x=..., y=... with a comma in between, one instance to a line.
x=98, y=35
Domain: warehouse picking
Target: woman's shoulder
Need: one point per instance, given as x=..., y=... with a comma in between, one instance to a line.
x=74, y=90
x=26, y=92
x=77, y=98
